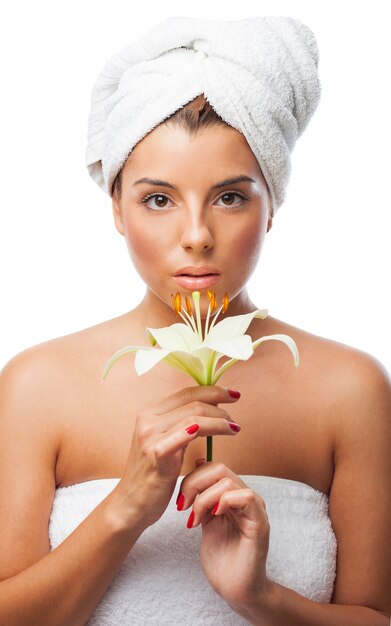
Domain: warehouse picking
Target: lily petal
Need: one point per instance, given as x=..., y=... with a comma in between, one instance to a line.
x=239, y=347
x=147, y=358
x=222, y=369
x=235, y=325
x=287, y=340
x=150, y=337
x=279, y=337
x=191, y=365
x=175, y=337
x=117, y=355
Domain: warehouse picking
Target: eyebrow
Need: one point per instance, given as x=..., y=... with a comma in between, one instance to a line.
x=229, y=181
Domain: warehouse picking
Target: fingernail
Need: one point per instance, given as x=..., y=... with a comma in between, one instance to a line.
x=214, y=510
x=190, y=520
x=192, y=429
x=180, y=501
x=234, y=394
x=234, y=426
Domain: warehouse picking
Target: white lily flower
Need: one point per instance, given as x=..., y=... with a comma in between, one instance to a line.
x=184, y=347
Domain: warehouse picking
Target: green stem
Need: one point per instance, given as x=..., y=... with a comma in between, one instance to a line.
x=209, y=438
x=209, y=448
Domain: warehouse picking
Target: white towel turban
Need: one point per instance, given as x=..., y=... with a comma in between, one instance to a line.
x=259, y=74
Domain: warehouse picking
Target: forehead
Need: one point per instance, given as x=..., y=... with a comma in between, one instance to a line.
x=170, y=150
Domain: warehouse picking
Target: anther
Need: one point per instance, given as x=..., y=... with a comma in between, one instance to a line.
x=176, y=302
x=188, y=306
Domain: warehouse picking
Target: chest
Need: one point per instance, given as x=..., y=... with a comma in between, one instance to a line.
x=284, y=429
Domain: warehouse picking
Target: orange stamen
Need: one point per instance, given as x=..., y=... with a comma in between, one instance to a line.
x=176, y=302
x=212, y=299
x=188, y=306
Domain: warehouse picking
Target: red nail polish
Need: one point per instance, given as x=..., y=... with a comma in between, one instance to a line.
x=214, y=510
x=190, y=520
x=234, y=394
x=180, y=501
x=234, y=427
x=192, y=429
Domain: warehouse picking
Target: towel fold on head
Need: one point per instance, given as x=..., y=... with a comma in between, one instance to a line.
x=259, y=74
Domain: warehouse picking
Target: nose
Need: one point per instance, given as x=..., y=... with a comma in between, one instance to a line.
x=197, y=234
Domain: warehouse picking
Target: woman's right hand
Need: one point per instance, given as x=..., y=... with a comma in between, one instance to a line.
x=159, y=442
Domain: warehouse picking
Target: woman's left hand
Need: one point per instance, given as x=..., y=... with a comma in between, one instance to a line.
x=235, y=541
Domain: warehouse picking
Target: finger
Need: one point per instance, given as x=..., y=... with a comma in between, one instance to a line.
x=212, y=394
x=192, y=411
x=207, y=426
x=207, y=500
x=199, y=462
x=203, y=480
x=178, y=438
x=244, y=504
x=197, y=407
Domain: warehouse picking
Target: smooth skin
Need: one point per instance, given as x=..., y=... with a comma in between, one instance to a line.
x=327, y=423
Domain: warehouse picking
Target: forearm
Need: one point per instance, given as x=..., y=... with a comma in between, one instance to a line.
x=283, y=606
x=64, y=587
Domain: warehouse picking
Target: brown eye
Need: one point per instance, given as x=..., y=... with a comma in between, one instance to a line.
x=159, y=199
x=230, y=196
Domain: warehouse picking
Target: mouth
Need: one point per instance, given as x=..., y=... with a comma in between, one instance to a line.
x=194, y=277
x=198, y=275
x=200, y=281
x=198, y=270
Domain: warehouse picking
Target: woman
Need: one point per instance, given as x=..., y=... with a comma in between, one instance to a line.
x=99, y=461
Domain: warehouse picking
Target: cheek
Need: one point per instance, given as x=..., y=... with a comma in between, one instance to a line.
x=246, y=243
x=142, y=246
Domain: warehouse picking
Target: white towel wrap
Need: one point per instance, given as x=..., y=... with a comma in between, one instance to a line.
x=161, y=581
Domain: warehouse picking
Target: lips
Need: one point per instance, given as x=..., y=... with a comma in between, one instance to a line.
x=197, y=270
x=197, y=276
x=196, y=282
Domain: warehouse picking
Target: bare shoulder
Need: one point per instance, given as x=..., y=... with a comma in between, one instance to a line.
x=338, y=366
x=45, y=376
x=348, y=386
x=354, y=378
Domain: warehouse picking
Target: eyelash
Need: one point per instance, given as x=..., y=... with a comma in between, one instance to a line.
x=235, y=193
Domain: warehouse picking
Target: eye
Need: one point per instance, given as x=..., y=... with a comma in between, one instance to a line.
x=243, y=198
x=153, y=196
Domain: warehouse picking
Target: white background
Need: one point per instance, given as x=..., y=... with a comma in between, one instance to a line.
x=64, y=267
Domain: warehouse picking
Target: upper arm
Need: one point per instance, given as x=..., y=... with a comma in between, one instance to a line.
x=28, y=449
x=360, y=497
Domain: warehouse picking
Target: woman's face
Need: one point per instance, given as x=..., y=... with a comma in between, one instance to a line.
x=191, y=220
